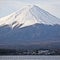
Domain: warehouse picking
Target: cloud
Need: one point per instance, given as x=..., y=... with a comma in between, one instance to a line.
x=2, y=1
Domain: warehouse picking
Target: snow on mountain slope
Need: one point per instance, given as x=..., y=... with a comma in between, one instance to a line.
x=29, y=15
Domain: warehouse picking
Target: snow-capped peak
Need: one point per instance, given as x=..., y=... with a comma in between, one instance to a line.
x=29, y=15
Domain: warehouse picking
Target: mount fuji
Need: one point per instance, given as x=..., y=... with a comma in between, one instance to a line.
x=30, y=26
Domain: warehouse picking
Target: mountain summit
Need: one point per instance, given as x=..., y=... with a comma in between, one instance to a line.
x=29, y=15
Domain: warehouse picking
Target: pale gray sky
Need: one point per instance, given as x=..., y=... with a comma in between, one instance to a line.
x=9, y=6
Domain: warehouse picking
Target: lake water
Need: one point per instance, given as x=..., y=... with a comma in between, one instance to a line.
x=30, y=57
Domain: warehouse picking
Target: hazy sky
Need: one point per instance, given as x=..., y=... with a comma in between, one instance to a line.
x=9, y=6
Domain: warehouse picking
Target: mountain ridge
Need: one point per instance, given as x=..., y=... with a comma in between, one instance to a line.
x=29, y=15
